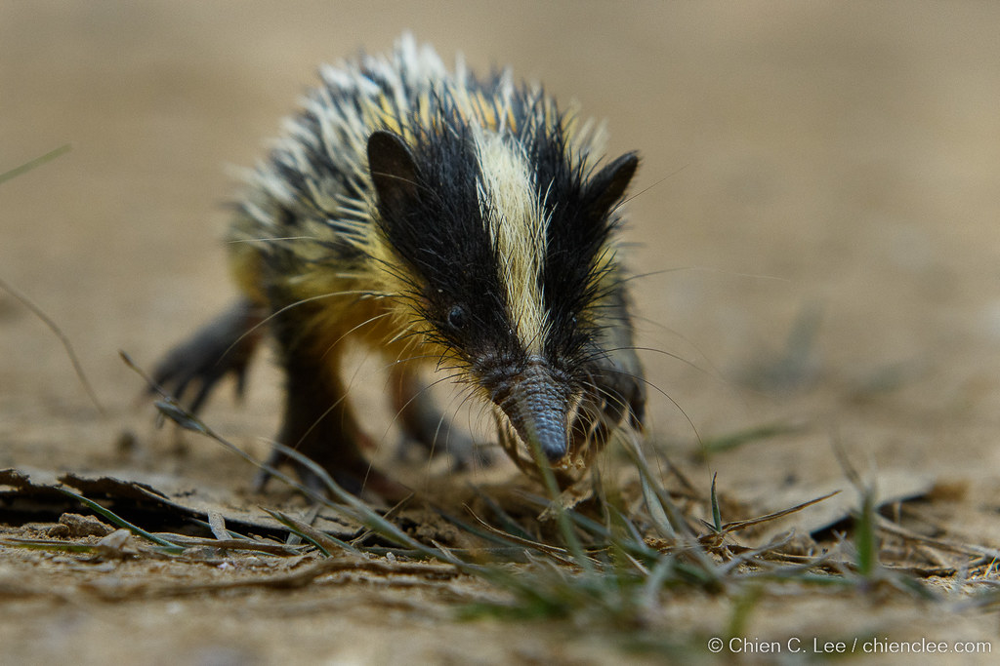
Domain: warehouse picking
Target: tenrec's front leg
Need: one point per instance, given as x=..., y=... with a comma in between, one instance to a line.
x=223, y=346
x=318, y=420
x=422, y=421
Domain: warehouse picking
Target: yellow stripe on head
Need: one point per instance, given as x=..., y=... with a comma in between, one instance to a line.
x=517, y=227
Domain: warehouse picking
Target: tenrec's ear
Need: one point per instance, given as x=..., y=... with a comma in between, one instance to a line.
x=610, y=183
x=394, y=172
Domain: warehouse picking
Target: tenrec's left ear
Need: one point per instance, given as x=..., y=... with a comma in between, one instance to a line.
x=394, y=173
x=610, y=183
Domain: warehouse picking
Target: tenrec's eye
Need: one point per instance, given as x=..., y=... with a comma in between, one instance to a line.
x=456, y=317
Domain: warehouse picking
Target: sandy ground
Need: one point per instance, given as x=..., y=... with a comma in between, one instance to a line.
x=825, y=167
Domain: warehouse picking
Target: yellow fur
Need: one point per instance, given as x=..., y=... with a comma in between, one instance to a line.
x=365, y=300
x=516, y=225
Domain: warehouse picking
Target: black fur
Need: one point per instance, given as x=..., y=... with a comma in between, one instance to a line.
x=430, y=214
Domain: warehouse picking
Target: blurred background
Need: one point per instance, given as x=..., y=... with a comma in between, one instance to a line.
x=815, y=215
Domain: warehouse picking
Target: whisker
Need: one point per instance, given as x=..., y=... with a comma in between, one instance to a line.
x=444, y=416
x=649, y=187
x=712, y=371
x=237, y=241
x=318, y=420
x=351, y=330
x=424, y=389
x=703, y=269
x=265, y=320
x=616, y=398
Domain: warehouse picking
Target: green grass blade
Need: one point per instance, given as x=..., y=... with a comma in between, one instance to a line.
x=38, y=161
x=121, y=522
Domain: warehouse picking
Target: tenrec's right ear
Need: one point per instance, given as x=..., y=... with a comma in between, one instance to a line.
x=394, y=172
